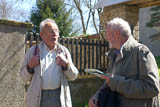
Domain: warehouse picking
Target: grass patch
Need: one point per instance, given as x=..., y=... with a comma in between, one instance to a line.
x=84, y=105
x=158, y=63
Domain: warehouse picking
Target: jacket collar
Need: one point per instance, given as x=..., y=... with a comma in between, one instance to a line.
x=125, y=49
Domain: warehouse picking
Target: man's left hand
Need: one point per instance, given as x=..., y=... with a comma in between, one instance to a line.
x=107, y=78
x=61, y=60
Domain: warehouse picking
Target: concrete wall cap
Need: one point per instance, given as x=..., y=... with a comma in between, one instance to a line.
x=15, y=23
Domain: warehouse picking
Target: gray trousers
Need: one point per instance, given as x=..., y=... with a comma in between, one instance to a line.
x=50, y=98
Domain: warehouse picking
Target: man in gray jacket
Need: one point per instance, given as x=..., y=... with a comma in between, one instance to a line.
x=48, y=66
x=133, y=69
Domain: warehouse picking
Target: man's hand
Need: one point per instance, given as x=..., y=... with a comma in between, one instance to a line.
x=107, y=78
x=35, y=60
x=61, y=60
x=93, y=102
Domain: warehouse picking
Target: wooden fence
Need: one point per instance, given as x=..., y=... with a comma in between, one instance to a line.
x=85, y=53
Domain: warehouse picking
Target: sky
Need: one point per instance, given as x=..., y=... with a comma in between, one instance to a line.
x=28, y=4
x=17, y=10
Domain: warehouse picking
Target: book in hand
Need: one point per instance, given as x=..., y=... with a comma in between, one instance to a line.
x=95, y=72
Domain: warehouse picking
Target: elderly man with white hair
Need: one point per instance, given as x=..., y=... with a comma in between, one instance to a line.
x=133, y=70
x=48, y=66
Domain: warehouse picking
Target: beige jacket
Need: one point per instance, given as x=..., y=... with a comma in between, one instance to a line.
x=34, y=90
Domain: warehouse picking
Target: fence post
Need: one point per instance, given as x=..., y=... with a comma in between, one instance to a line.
x=76, y=43
x=30, y=39
x=37, y=38
x=100, y=50
x=93, y=45
x=80, y=55
x=72, y=49
x=97, y=53
x=85, y=54
x=88, y=53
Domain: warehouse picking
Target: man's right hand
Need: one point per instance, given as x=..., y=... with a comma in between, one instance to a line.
x=93, y=102
x=35, y=60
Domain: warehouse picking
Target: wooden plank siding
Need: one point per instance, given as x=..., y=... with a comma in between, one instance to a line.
x=143, y=3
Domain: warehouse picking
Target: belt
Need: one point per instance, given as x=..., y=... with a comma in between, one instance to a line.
x=51, y=89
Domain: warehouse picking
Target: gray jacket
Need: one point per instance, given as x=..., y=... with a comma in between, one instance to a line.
x=136, y=77
x=35, y=87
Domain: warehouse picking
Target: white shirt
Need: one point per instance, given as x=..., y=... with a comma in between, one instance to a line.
x=50, y=70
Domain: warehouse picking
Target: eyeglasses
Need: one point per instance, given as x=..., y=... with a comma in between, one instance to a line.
x=53, y=31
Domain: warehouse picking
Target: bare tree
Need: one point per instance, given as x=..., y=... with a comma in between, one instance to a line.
x=83, y=10
x=6, y=9
x=78, y=4
x=90, y=4
x=11, y=9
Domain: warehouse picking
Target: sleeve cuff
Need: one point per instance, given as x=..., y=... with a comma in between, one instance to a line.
x=115, y=82
x=66, y=68
x=30, y=71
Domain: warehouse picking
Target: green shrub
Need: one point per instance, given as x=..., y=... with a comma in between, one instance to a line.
x=158, y=63
x=84, y=105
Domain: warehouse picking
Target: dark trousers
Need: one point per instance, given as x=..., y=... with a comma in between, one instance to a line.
x=108, y=98
x=50, y=98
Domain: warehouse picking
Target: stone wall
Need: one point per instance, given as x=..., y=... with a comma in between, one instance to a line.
x=12, y=50
x=146, y=32
x=83, y=89
x=127, y=12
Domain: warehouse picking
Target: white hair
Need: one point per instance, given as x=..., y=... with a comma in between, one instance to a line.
x=122, y=25
x=45, y=21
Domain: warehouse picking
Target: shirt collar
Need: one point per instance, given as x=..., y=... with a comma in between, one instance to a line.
x=54, y=49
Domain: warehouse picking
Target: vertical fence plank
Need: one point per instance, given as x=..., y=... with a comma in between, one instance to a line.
x=76, y=42
x=97, y=54
x=100, y=58
x=104, y=59
x=81, y=55
x=88, y=53
x=37, y=38
x=85, y=61
x=62, y=41
x=71, y=41
x=67, y=42
x=85, y=55
x=30, y=39
x=93, y=53
x=59, y=40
